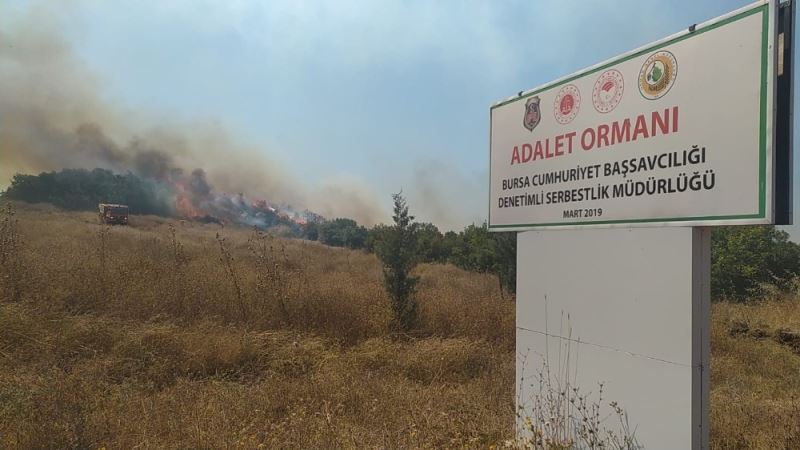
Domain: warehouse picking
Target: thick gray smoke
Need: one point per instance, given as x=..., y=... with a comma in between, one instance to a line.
x=53, y=116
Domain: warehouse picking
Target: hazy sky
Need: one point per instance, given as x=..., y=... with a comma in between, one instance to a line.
x=386, y=95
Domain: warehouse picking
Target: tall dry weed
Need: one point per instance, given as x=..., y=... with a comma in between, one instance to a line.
x=275, y=282
x=454, y=302
x=102, y=282
x=229, y=264
x=11, y=266
x=559, y=415
x=178, y=270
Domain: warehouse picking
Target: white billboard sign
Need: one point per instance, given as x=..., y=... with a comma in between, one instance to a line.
x=678, y=132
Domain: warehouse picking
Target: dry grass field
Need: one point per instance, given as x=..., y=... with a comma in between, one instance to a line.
x=755, y=375
x=163, y=334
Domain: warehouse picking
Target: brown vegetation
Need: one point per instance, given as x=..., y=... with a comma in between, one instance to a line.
x=182, y=335
x=167, y=334
x=755, y=377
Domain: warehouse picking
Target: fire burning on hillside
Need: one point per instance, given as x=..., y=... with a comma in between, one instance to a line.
x=194, y=199
x=55, y=120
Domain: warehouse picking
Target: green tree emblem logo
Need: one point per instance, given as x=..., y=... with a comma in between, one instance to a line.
x=655, y=74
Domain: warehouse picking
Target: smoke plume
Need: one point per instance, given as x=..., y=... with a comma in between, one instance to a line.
x=53, y=116
x=444, y=195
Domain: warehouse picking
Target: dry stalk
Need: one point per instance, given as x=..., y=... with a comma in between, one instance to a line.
x=274, y=279
x=11, y=267
x=230, y=269
x=559, y=416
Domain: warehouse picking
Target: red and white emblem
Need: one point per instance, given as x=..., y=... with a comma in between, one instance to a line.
x=608, y=90
x=567, y=104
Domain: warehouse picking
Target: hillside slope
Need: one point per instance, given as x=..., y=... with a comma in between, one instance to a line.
x=170, y=334
x=163, y=335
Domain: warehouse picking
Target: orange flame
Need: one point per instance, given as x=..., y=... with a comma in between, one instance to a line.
x=183, y=204
x=185, y=208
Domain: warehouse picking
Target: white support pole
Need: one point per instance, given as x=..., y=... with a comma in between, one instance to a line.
x=625, y=307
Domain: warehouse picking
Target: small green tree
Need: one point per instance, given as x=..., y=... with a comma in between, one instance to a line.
x=505, y=260
x=430, y=244
x=744, y=258
x=479, y=250
x=396, y=248
x=342, y=232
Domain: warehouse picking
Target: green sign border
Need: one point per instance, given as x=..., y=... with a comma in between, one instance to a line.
x=762, y=138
